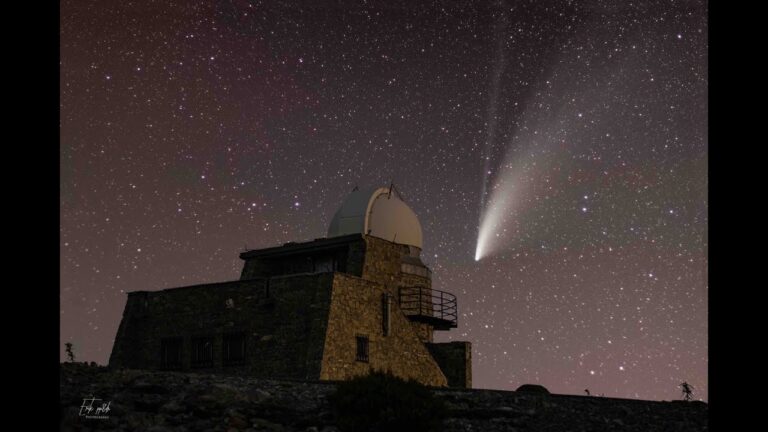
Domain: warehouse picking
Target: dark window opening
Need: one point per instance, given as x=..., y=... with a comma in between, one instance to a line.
x=234, y=348
x=362, y=349
x=202, y=352
x=170, y=353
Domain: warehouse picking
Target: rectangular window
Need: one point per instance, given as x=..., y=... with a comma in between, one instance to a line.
x=202, y=352
x=362, y=349
x=170, y=353
x=234, y=348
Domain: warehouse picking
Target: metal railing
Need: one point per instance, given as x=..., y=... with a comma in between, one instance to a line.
x=429, y=305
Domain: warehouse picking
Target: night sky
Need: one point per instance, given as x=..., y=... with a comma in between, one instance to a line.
x=574, y=132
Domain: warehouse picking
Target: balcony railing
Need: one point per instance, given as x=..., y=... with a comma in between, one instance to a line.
x=430, y=306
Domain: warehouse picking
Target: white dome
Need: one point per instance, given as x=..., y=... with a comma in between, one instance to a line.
x=378, y=212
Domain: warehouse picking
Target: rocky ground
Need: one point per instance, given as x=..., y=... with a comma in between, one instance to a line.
x=185, y=402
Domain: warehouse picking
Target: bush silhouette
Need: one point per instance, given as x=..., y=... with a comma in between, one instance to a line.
x=383, y=402
x=70, y=353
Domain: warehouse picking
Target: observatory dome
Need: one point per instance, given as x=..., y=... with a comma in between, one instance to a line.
x=379, y=212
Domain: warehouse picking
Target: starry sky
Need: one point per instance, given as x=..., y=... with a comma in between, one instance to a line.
x=193, y=129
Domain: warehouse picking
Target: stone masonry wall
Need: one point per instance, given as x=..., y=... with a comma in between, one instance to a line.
x=356, y=310
x=128, y=349
x=284, y=320
x=455, y=360
x=382, y=264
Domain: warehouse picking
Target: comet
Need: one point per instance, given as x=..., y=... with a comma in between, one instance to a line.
x=559, y=119
x=492, y=112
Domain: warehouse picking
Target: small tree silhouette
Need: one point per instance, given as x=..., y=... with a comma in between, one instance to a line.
x=70, y=354
x=382, y=402
x=687, y=391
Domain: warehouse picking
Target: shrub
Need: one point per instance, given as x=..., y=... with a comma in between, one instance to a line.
x=383, y=402
x=70, y=353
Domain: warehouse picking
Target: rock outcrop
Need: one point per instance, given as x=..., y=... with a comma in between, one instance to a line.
x=153, y=401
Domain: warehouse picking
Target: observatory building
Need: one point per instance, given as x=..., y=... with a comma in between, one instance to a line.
x=358, y=300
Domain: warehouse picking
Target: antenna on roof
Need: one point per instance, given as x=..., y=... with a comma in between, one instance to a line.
x=393, y=188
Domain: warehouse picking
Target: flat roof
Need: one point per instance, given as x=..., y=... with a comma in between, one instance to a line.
x=230, y=282
x=293, y=248
x=203, y=285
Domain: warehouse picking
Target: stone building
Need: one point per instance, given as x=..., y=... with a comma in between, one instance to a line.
x=329, y=309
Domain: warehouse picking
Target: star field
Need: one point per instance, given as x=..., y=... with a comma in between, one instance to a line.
x=190, y=130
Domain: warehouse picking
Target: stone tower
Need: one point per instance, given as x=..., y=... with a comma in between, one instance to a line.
x=330, y=309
